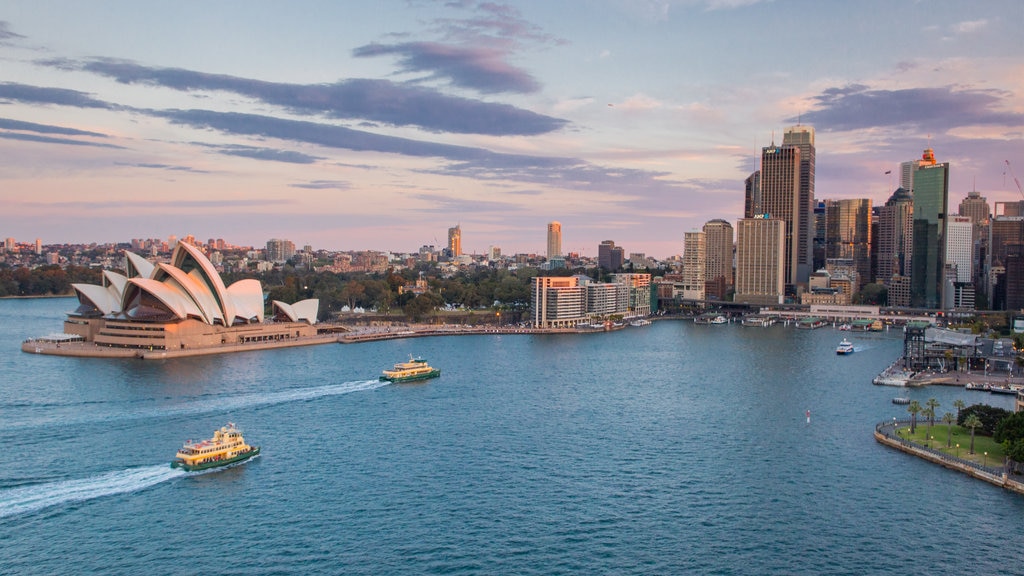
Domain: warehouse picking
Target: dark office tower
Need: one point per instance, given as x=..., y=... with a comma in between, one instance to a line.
x=802, y=137
x=895, y=236
x=752, y=195
x=1003, y=232
x=931, y=207
x=819, y=235
x=609, y=256
x=780, y=200
x=848, y=235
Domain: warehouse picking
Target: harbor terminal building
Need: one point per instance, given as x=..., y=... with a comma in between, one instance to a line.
x=181, y=305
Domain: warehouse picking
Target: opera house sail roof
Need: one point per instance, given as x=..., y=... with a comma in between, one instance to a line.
x=188, y=287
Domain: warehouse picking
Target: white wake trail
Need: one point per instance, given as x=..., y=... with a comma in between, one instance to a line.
x=206, y=405
x=28, y=499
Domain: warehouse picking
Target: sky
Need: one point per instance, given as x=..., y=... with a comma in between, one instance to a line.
x=378, y=125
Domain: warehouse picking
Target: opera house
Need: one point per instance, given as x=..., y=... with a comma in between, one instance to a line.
x=182, y=305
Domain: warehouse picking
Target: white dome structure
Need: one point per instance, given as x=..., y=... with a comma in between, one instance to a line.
x=189, y=287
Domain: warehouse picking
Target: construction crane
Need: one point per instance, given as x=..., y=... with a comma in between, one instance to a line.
x=1014, y=176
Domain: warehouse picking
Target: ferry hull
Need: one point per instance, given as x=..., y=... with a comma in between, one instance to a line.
x=399, y=379
x=217, y=463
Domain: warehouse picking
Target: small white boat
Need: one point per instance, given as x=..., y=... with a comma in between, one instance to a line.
x=845, y=347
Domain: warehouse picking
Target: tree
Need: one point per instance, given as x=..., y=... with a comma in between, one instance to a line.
x=932, y=404
x=1010, y=429
x=988, y=415
x=972, y=421
x=959, y=405
x=913, y=408
x=949, y=419
x=928, y=413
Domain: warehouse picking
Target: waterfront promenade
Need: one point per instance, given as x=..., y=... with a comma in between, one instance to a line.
x=885, y=433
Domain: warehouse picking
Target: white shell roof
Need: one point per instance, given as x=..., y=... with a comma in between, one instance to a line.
x=196, y=293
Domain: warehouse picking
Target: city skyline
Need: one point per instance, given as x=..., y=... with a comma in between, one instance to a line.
x=378, y=127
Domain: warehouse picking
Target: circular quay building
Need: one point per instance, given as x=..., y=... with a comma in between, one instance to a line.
x=181, y=308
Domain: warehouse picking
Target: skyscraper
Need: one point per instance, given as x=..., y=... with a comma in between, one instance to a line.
x=848, y=235
x=609, y=256
x=752, y=195
x=895, y=236
x=694, y=262
x=802, y=137
x=554, y=239
x=455, y=241
x=931, y=208
x=780, y=199
x=718, y=242
x=760, y=262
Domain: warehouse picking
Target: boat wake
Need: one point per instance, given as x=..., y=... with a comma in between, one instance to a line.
x=191, y=406
x=29, y=499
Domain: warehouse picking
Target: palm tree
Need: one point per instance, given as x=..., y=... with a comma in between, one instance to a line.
x=949, y=419
x=959, y=405
x=928, y=413
x=913, y=408
x=972, y=421
x=932, y=404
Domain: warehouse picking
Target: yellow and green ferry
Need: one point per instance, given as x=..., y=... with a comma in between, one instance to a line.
x=226, y=447
x=414, y=369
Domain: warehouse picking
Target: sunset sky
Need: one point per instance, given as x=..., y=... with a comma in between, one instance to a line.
x=379, y=125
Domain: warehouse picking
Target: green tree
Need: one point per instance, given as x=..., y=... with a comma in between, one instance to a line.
x=928, y=413
x=1009, y=429
x=914, y=408
x=948, y=418
x=988, y=415
x=932, y=405
x=973, y=422
x=959, y=405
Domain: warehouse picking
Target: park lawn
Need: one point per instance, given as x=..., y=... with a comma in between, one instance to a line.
x=961, y=436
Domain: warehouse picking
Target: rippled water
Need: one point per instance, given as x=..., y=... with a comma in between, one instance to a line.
x=668, y=449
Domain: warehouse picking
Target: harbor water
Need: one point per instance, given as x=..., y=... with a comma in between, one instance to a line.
x=672, y=448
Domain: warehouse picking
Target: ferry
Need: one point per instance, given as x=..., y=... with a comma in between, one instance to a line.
x=414, y=369
x=226, y=447
x=845, y=347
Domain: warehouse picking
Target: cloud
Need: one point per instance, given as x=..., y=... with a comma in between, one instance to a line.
x=323, y=185
x=354, y=99
x=14, y=92
x=169, y=167
x=969, y=27
x=6, y=34
x=8, y=124
x=272, y=154
x=936, y=110
x=479, y=68
x=51, y=140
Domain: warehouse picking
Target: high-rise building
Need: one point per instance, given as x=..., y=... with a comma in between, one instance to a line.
x=818, y=256
x=694, y=265
x=848, y=235
x=1004, y=233
x=908, y=170
x=895, y=236
x=609, y=256
x=760, y=261
x=931, y=208
x=975, y=206
x=718, y=242
x=557, y=301
x=780, y=200
x=958, y=247
x=752, y=195
x=279, y=250
x=455, y=241
x=39, y=246
x=802, y=137
x=554, y=239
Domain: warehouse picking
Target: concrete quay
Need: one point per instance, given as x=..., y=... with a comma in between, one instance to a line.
x=885, y=433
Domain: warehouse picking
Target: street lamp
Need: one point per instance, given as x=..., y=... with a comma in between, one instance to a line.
x=957, y=450
x=986, y=458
